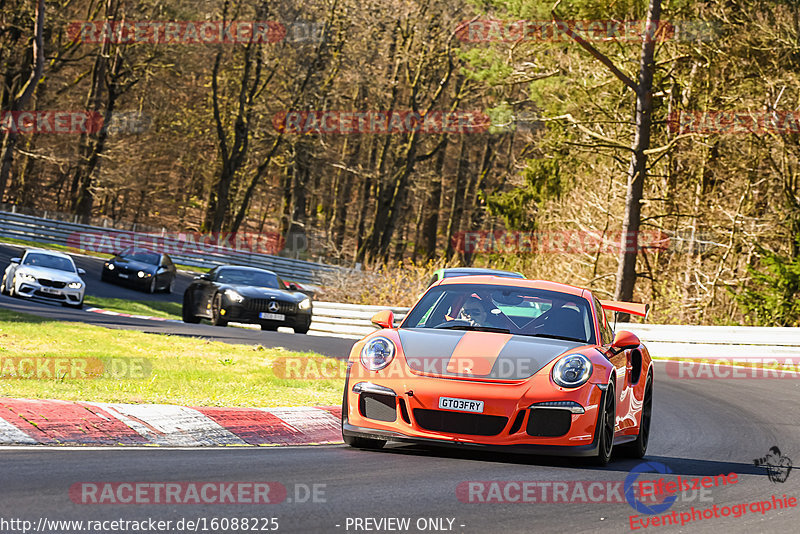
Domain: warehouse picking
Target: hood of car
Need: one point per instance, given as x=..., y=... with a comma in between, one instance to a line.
x=56, y=275
x=256, y=292
x=134, y=266
x=488, y=355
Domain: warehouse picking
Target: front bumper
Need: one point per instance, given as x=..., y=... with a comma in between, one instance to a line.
x=127, y=278
x=292, y=318
x=34, y=289
x=510, y=420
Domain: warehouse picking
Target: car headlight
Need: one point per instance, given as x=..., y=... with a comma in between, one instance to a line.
x=110, y=266
x=377, y=353
x=25, y=277
x=305, y=304
x=74, y=285
x=142, y=274
x=572, y=371
x=234, y=295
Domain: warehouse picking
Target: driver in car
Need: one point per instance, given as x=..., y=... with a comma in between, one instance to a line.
x=475, y=312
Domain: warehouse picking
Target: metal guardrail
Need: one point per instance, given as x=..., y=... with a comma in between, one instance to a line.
x=40, y=230
x=667, y=341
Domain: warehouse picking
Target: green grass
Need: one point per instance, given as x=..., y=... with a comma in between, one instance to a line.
x=155, y=308
x=185, y=371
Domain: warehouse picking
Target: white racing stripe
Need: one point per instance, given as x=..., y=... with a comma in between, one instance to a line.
x=10, y=434
x=310, y=421
x=168, y=425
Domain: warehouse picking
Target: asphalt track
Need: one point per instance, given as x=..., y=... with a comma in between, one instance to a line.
x=329, y=346
x=700, y=427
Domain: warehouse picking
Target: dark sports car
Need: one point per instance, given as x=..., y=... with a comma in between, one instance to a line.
x=246, y=295
x=142, y=269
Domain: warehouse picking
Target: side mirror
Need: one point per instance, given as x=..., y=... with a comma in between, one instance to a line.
x=384, y=319
x=204, y=276
x=624, y=340
x=16, y=260
x=81, y=271
x=293, y=287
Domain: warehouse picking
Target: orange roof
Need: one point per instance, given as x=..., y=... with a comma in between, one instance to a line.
x=515, y=282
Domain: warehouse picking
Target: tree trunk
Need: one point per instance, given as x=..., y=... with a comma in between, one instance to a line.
x=626, y=272
x=10, y=139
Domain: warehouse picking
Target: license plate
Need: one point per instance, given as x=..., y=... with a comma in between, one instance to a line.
x=462, y=405
x=122, y=275
x=272, y=316
x=49, y=291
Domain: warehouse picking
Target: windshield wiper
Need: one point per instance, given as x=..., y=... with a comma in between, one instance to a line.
x=476, y=328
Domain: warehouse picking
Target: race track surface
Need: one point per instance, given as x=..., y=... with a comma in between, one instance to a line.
x=329, y=346
x=701, y=427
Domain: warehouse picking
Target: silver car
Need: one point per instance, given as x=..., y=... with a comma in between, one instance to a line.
x=47, y=275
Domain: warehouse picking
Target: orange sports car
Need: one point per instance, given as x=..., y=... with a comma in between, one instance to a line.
x=506, y=364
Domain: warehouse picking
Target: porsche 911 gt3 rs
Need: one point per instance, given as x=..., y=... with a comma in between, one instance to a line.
x=508, y=364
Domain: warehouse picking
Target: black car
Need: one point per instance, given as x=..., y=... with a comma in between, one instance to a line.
x=140, y=268
x=246, y=295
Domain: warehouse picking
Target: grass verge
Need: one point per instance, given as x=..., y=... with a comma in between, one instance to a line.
x=155, y=308
x=177, y=370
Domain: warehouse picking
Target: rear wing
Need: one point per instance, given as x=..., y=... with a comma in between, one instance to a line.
x=626, y=307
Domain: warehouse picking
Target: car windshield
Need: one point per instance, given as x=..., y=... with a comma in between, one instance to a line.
x=506, y=309
x=247, y=277
x=142, y=256
x=49, y=261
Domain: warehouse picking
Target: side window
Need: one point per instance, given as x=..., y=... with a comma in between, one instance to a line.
x=606, y=334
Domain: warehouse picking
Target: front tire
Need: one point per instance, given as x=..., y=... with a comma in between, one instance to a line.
x=3, y=288
x=152, y=287
x=606, y=422
x=186, y=310
x=638, y=448
x=12, y=291
x=216, y=311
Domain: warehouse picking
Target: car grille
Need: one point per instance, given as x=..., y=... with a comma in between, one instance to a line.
x=380, y=407
x=460, y=423
x=549, y=422
x=39, y=293
x=261, y=305
x=51, y=283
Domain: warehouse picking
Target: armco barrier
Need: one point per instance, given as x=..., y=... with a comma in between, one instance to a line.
x=50, y=231
x=668, y=341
